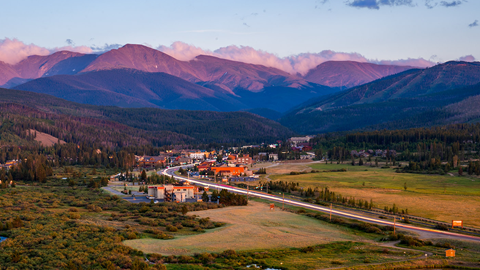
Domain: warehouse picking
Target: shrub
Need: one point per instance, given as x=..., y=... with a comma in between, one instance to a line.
x=308, y=249
x=171, y=228
x=74, y=216
x=441, y=227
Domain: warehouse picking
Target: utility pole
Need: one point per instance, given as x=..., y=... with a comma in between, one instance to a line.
x=283, y=204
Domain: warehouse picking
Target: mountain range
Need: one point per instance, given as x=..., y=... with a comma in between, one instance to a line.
x=139, y=76
x=445, y=93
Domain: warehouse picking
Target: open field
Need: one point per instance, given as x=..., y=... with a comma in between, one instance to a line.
x=249, y=227
x=432, y=196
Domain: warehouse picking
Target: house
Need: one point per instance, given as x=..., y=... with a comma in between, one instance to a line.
x=150, y=161
x=205, y=166
x=183, y=160
x=273, y=157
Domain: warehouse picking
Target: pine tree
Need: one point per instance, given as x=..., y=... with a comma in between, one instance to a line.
x=205, y=196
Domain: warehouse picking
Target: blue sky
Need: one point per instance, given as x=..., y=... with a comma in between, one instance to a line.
x=377, y=29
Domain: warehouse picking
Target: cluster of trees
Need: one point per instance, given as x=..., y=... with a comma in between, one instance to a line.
x=226, y=198
x=283, y=186
x=326, y=195
x=34, y=168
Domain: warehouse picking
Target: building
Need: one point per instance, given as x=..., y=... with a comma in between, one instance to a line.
x=9, y=164
x=450, y=253
x=183, y=160
x=273, y=157
x=228, y=171
x=151, y=161
x=172, y=193
x=297, y=140
x=205, y=166
x=307, y=155
x=244, y=179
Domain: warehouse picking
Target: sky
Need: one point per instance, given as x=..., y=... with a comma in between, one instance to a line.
x=291, y=35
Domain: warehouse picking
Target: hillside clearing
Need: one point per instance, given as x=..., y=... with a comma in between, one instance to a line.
x=45, y=139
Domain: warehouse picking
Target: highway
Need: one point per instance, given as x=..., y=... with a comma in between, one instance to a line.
x=274, y=198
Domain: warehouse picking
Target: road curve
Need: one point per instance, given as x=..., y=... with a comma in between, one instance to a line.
x=273, y=198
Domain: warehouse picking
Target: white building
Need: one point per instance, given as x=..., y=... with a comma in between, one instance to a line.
x=176, y=193
x=197, y=155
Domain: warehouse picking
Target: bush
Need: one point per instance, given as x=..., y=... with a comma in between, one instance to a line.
x=442, y=227
x=74, y=216
x=171, y=228
x=309, y=249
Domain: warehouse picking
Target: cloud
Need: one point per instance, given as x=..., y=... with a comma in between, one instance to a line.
x=429, y=4
x=475, y=23
x=450, y=4
x=432, y=3
x=300, y=63
x=375, y=4
x=183, y=51
x=413, y=62
x=467, y=58
x=69, y=41
x=105, y=48
x=371, y=4
x=13, y=51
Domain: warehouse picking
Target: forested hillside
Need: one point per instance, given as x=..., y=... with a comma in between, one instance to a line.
x=117, y=127
x=440, y=95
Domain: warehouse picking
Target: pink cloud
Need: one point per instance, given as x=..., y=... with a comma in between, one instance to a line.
x=13, y=51
x=467, y=58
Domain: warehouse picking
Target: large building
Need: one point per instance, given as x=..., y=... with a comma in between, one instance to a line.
x=228, y=171
x=172, y=193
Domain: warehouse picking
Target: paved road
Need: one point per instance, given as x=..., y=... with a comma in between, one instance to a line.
x=425, y=232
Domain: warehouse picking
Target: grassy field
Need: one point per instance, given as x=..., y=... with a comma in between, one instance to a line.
x=433, y=196
x=249, y=227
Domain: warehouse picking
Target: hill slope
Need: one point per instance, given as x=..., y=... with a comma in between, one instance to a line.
x=409, y=99
x=74, y=122
x=347, y=74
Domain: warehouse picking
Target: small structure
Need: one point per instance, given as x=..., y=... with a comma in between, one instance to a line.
x=450, y=253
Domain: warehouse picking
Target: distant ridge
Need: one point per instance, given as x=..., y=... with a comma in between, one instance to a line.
x=347, y=74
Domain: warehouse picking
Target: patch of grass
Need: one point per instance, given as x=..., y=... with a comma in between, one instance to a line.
x=431, y=196
x=250, y=227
